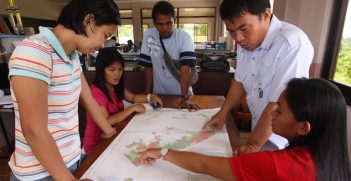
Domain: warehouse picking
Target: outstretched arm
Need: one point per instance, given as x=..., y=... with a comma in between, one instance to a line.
x=91, y=107
x=218, y=167
x=261, y=132
x=185, y=73
x=233, y=98
x=148, y=79
x=140, y=98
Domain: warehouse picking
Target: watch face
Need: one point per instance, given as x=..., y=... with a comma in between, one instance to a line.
x=164, y=151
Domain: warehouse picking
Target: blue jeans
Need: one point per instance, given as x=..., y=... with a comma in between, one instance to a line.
x=49, y=178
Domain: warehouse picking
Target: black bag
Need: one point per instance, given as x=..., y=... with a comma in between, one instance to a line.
x=214, y=63
x=173, y=67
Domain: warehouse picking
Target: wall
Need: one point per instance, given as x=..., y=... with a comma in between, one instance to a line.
x=136, y=9
x=349, y=131
x=35, y=9
x=312, y=16
x=52, y=8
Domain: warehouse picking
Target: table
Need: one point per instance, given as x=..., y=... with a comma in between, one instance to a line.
x=169, y=101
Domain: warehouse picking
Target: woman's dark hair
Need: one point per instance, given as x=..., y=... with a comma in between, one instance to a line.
x=105, y=58
x=321, y=104
x=230, y=9
x=163, y=7
x=72, y=15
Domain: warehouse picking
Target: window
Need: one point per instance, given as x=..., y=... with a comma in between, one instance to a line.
x=124, y=32
x=198, y=32
x=198, y=22
x=337, y=62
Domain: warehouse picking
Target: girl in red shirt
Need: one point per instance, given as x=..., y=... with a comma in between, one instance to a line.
x=108, y=90
x=311, y=114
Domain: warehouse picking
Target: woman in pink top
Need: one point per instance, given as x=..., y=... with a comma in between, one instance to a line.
x=109, y=91
x=311, y=114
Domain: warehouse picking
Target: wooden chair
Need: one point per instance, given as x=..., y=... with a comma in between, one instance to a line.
x=242, y=113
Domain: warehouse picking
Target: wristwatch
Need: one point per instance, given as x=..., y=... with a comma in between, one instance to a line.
x=163, y=152
x=148, y=98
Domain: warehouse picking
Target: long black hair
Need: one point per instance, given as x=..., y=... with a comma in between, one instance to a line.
x=72, y=15
x=321, y=104
x=105, y=58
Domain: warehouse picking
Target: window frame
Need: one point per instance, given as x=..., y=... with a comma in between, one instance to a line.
x=128, y=18
x=333, y=45
x=178, y=17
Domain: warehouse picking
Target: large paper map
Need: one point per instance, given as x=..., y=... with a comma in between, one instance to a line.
x=175, y=129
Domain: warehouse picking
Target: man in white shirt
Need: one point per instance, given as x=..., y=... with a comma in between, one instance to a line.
x=269, y=53
x=178, y=44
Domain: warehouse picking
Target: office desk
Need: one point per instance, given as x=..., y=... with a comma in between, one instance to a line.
x=168, y=102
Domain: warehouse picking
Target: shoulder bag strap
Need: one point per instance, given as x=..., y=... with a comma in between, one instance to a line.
x=170, y=63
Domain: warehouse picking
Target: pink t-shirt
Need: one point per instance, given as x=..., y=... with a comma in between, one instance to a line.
x=92, y=134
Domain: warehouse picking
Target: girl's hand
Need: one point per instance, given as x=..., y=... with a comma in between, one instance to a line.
x=139, y=108
x=149, y=156
x=155, y=99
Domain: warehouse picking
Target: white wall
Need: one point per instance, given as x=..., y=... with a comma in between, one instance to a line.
x=312, y=16
x=349, y=131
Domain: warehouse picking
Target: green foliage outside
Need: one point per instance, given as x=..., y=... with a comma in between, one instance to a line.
x=197, y=31
x=125, y=33
x=343, y=66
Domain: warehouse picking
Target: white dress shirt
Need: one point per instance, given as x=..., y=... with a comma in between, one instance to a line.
x=285, y=53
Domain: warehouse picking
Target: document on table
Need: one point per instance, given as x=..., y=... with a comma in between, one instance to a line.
x=172, y=128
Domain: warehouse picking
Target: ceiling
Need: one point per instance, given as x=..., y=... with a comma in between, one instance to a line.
x=50, y=9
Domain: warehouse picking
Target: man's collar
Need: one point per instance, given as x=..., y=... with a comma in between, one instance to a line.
x=268, y=40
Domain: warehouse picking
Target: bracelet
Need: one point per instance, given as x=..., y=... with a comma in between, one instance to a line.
x=163, y=152
x=148, y=98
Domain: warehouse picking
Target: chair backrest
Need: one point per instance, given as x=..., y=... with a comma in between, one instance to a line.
x=242, y=112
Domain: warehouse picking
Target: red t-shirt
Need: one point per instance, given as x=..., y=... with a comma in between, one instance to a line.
x=295, y=164
x=92, y=134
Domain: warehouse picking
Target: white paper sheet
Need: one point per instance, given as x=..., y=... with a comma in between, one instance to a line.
x=165, y=127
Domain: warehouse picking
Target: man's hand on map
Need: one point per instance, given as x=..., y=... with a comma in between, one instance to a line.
x=149, y=156
x=186, y=104
x=154, y=99
x=217, y=121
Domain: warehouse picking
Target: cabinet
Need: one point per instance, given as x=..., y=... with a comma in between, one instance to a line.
x=209, y=83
